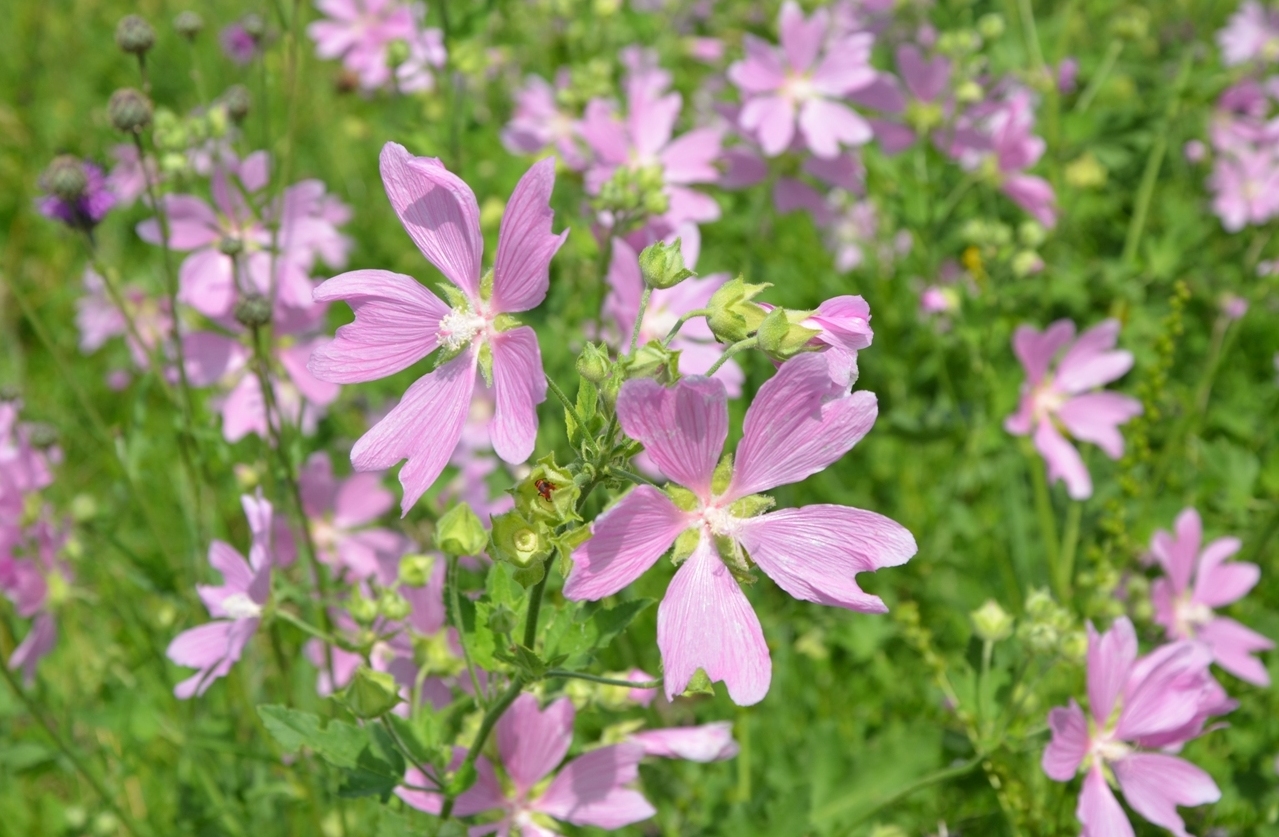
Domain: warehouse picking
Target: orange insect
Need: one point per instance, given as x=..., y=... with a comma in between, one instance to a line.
x=544, y=488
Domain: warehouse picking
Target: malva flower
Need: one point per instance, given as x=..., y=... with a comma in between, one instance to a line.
x=539, y=122
x=1251, y=34
x=802, y=82
x=98, y=319
x=360, y=32
x=920, y=109
x=793, y=429
x=398, y=321
x=1162, y=700
x=340, y=512
x=37, y=585
x=705, y=743
x=1063, y=398
x=1198, y=581
x=590, y=790
x=235, y=605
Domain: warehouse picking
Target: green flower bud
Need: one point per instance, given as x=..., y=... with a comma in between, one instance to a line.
x=362, y=609
x=134, y=35
x=991, y=623
x=393, y=606
x=518, y=541
x=1074, y=646
x=460, y=532
x=991, y=26
x=594, y=364
x=416, y=570
x=548, y=494
x=502, y=620
x=252, y=310
x=188, y=24
x=1026, y=262
x=662, y=265
x=781, y=336
x=129, y=110
x=652, y=360
x=1031, y=233
x=65, y=178
x=372, y=693
x=699, y=684
x=237, y=102
x=397, y=52
x=733, y=317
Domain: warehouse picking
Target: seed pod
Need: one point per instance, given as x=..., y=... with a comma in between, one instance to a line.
x=129, y=110
x=134, y=35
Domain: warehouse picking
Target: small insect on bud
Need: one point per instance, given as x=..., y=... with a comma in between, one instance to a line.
x=252, y=310
x=129, y=110
x=134, y=35
x=188, y=24
x=662, y=265
x=237, y=102
x=65, y=178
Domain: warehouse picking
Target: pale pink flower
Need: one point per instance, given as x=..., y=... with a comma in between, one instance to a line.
x=803, y=82
x=793, y=429
x=705, y=743
x=475, y=461
x=1245, y=186
x=398, y=321
x=37, y=585
x=98, y=318
x=923, y=102
x=239, y=44
x=1198, y=581
x=590, y=790
x=128, y=177
x=1163, y=700
x=539, y=122
x=1251, y=34
x=236, y=605
x=360, y=32
x=1066, y=398
x=340, y=512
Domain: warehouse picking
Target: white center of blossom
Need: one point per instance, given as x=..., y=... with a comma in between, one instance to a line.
x=324, y=533
x=720, y=521
x=1046, y=400
x=1108, y=749
x=240, y=606
x=459, y=327
x=799, y=88
x=658, y=321
x=1190, y=616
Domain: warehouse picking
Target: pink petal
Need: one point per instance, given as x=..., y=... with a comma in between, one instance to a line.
x=38, y=642
x=1036, y=349
x=294, y=359
x=206, y=282
x=211, y=356
x=1178, y=553
x=1069, y=744
x=1033, y=194
x=1090, y=363
x=706, y=622
x=761, y=71
x=518, y=387
x=1164, y=690
x=1098, y=809
x=815, y=552
x=589, y=790
x=1063, y=461
x=826, y=125
x=1095, y=417
x=790, y=195
x=691, y=157
x=651, y=121
x=683, y=428
x=705, y=743
x=397, y=322
x=439, y=213
x=423, y=428
x=1155, y=784
x=625, y=541
x=1110, y=659
x=244, y=410
x=789, y=433
x=1232, y=647
x=533, y=741
x=1218, y=583
x=801, y=39
x=361, y=499
x=846, y=67
x=926, y=80
x=771, y=119
x=525, y=244
x=192, y=224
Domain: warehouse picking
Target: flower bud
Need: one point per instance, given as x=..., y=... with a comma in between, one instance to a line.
x=372, y=693
x=733, y=317
x=781, y=336
x=188, y=24
x=252, y=310
x=397, y=52
x=1031, y=233
x=991, y=623
x=129, y=110
x=393, y=606
x=134, y=35
x=1026, y=263
x=237, y=102
x=594, y=364
x=65, y=178
x=460, y=532
x=502, y=620
x=230, y=245
x=652, y=360
x=415, y=570
x=548, y=494
x=991, y=26
x=517, y=541
x=662, y=265
x=362, y=609
x=253, y=25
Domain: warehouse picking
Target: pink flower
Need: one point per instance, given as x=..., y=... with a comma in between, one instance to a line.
x=540, y=123
x=802, y=81
x=398, y=321
x=1198, y=581
x=128, y=177
x=1252, y=33
x=360, y=31
x=475, y=462
x=922, y=104
x=239, y=44
x=339, y=513
x=37, y=585
x=1063, y=399
x=590, y=790
x=1163, y=699
x=706, y=743
x=792, y=430
x=1245, y=186
x=236, y=605
x=98, y=319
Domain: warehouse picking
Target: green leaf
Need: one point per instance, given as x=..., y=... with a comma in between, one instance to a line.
x=420, y=736
x=338, y=743
x=578, y=636
x=480, y=641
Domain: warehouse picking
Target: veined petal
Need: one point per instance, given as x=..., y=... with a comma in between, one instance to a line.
x=1110, y=659
x=518, y=387
x=1232, y=647
x=706, y=622
x=682, y=428
x=1155, y=784
x=525, y=244
x=1095, y=417
x=590, y=789
x=791, y=432
x=397, y=323
x=1069, y=744
x=1036, y=349
x=1098, y=810
x=705, y=743
x=625, y=541
x=1092, y=361
x=533, y=741
x=1164, y=690
x=1218, y=583
x=423, y=428
x=439, y=213
x=815, y=552
x=1063, y=461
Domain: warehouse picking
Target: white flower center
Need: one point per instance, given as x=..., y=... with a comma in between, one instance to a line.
x=240, y=606
x=799, y=88
x=1190, y=616
x=1108, y=749
x=658, y=321
x=459, y=327
x=721, y=521
x=1046, y=400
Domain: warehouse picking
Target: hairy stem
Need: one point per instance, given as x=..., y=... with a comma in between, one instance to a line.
x=639, y=318
x=607, y=681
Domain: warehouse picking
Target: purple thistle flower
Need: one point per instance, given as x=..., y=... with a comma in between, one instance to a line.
x=1064, y=397
x=1198, y=581
x=793, y=429
x=80, y=208
x=239, y=44
x=398, y=321
x=1163, y=700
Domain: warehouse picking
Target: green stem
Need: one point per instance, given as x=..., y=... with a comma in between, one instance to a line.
x=835, y=808
x=455, y=613
x=1099, y=78
x=481, y=736
x=1066, y=555
x=739, y=346
x=1044, y=509
x=638, y=479
x=607, y=681
x=563, y=397
x=680, y=323
x=639, y=317
x=1031, y=34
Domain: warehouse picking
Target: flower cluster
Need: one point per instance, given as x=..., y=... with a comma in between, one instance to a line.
x=383, y=43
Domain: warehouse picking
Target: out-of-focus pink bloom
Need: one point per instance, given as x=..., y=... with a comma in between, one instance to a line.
x=37, y=585
x=849, y=17
x=1163, y=700
x=236, y=605
x=1198, y=581
x=641, y=696
x=1067, y=75
x=706, y=50
x=1251, y=34
x=799, y=423
x=475, y=461
x=398, y=321
x=360, y=32
x=1195, y=151
x=86, y=211
x=697, y=346
x=1234, y=306
x=540, y=123
x=99, y=319
x=239, y=44
x=1064, y=398
x=843, y=326
x=922, y=106
x=1246, y=187
x=128, y=177
x=340, y=512
x=709, y=742
x=852, y=231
